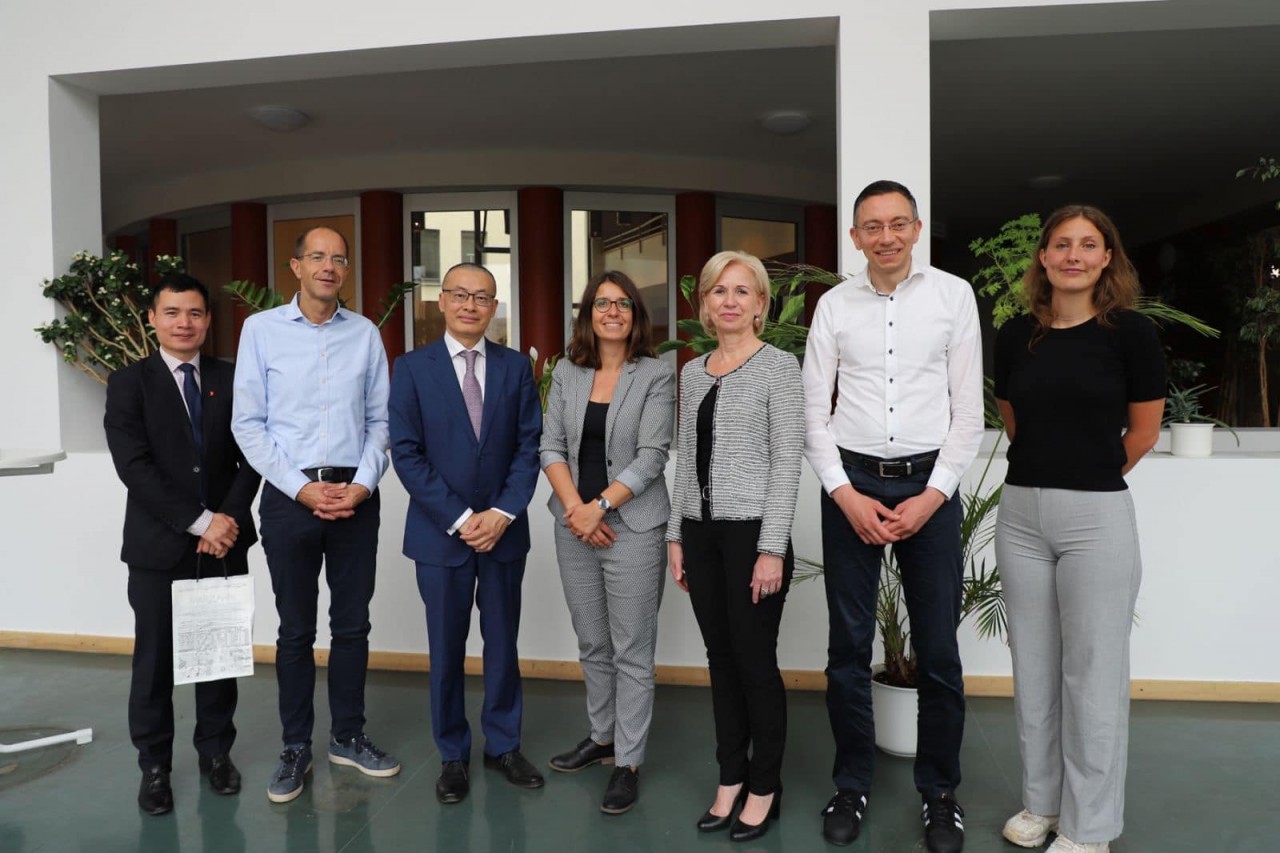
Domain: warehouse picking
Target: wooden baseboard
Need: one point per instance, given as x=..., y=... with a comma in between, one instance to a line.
x=692, y=676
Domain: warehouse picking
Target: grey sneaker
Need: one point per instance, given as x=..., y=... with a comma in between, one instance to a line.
x=359, y=752
x=1030, y=830
x=286, y=782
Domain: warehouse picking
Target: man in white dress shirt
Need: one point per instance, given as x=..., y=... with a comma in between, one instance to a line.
x=900, y=342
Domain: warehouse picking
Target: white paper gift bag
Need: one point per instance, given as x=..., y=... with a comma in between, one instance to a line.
x=212, y=628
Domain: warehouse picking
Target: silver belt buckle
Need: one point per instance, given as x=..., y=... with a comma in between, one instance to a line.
x=322, y=472
x=705, y=493
x=884, y=473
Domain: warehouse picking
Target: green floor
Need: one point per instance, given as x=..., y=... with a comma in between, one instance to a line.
x=1202, y=777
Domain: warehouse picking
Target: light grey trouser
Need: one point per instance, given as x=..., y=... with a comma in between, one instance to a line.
x=1070, y=568
x=613, y=596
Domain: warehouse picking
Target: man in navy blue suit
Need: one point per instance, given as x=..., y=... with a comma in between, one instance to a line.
x=465, y=426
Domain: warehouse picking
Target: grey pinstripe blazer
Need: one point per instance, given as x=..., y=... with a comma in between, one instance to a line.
x=638, y=433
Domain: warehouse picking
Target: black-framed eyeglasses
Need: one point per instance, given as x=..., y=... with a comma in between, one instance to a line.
x=460, y=297
x=602, y=304
x=875, y=229
x=321, y=257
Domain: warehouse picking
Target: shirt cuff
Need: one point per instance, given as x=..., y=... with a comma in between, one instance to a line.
x=509, y=516
x=462, y=519
x=201, y=524
x=834, y=477
x=943, y=480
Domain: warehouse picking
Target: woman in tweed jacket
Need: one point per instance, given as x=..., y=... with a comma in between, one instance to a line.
x=605, y=440
x=737, y=475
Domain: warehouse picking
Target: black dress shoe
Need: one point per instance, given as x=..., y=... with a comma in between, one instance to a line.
x=842, y=818
x=751, y=831
x=224, y=778
x=155, y=797
x=624, y=788
x=516, y=768
x=582, y=756
x=715, y=823
x=454, y=782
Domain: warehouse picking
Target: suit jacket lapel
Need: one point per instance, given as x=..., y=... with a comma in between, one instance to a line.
x=213, y=396
x=495, y=370
x=619, y=394
x=446, y=377
x=166, y=386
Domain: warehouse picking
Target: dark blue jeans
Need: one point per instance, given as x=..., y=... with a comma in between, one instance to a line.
x=296, y=544
x=932, y=574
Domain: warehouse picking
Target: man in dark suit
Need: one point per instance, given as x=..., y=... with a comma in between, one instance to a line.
x=465, y=426
x=168, y=424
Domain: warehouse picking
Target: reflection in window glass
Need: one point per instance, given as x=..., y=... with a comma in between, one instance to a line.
x=440, y=239
x=631, y=242
x=771, y=242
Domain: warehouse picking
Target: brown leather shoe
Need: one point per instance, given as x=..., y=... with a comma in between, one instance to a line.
x=516, y=768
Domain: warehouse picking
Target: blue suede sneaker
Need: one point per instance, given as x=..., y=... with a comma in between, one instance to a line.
x=359, y=752
x=287, y=780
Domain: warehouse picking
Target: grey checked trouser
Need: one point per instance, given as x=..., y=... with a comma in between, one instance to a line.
x=613, y=596
x=1070, y=567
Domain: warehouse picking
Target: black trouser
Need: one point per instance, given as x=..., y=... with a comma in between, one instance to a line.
x=747, y=694
x=151, y=687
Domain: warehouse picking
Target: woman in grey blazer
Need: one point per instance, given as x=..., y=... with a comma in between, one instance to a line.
x=605, y=439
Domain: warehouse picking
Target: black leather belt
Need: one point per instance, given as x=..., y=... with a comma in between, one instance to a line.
x=330, y=474
x=903, y=466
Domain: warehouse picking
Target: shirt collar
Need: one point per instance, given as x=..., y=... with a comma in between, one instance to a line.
x=173, y=362
x=863, y=280
x=455, y=346
x=293, y=312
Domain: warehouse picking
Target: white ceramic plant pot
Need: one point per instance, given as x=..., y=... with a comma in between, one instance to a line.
x=895, y=711
x=1195, y=440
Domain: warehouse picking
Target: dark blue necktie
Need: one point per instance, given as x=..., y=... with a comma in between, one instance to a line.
x=191, y=392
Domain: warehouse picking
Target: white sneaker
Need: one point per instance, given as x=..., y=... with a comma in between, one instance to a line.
x=1029, y=830
x=1062, y=844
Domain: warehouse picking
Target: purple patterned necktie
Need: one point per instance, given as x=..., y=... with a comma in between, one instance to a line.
x=471, y=391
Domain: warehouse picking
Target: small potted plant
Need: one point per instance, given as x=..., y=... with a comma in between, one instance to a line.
x=1190, y=430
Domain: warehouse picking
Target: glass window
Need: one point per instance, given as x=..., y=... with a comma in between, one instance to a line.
x=440, y=239
x=631, y=242
x=768, y=240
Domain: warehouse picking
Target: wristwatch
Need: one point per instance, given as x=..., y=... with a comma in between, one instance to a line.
x=603, y=503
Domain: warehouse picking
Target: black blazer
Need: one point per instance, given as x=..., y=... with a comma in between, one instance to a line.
x=149, y=436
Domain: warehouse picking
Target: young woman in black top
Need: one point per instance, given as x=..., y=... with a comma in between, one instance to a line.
x=1080, y=384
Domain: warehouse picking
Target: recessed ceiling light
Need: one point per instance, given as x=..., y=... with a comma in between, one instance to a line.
x=279, y=118
x=1047, y=182
x=785, y=122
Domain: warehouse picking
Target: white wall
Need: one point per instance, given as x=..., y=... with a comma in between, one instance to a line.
x=1205, y=611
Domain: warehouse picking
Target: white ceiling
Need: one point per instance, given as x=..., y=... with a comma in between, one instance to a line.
x=1149, y=124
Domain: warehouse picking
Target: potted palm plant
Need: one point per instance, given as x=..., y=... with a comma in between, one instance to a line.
x=1190, y=429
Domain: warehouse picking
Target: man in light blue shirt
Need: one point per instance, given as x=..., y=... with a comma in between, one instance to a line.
x=310, y=414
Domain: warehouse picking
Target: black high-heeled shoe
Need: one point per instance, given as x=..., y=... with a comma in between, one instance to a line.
x=715, y=823
x=750, y=832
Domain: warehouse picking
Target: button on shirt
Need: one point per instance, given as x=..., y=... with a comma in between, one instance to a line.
x=909, y=365
x=456, y=350
x=309, y=395
x=174, y=364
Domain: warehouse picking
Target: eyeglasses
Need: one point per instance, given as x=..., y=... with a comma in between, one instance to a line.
x=321, y=257
x=875, y=229
x=602, y=304
x=460, y=297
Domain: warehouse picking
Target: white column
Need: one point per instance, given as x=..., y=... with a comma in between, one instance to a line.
x=882, y=103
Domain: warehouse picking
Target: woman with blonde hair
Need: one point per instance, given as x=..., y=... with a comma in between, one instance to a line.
x=741, y=438
x=1080, y=382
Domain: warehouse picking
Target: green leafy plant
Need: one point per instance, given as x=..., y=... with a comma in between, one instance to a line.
x=1010, y=253
x=784, y=328
x=1182, y=406
x=1266, y=169
x=543, y=378
x=103, y=324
